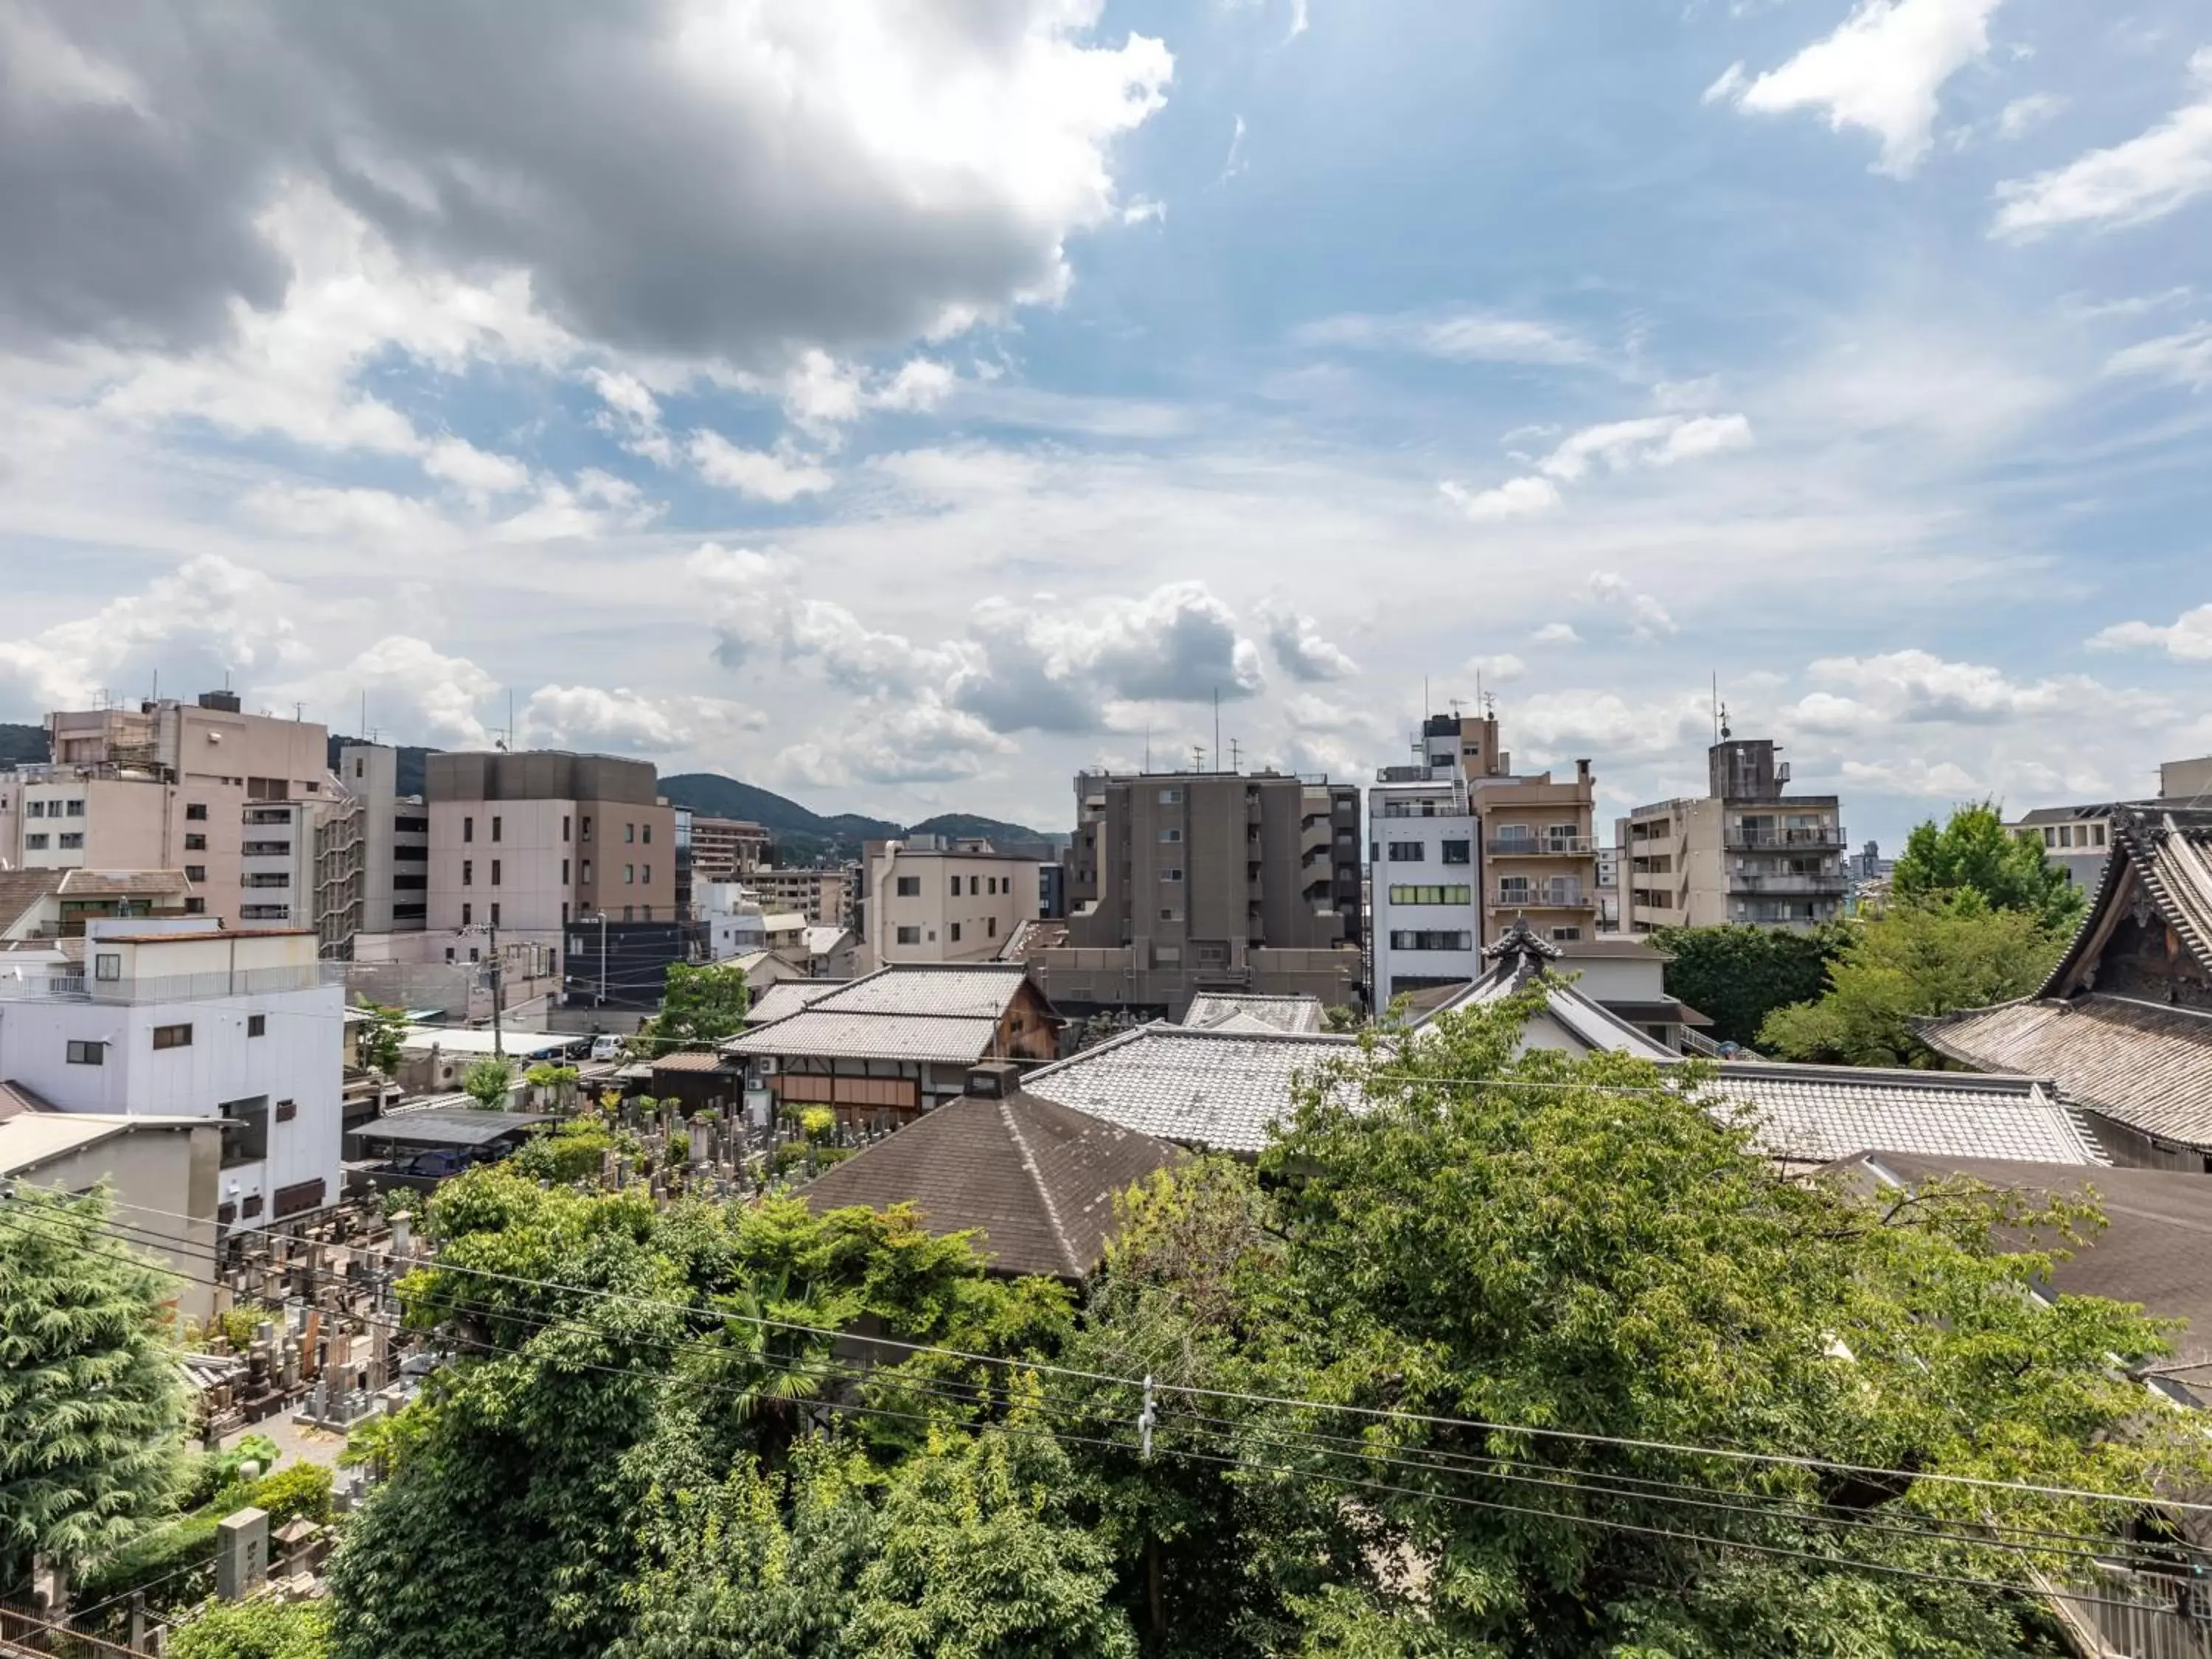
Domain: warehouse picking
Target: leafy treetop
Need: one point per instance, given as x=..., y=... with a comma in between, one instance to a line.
x=1974, y=853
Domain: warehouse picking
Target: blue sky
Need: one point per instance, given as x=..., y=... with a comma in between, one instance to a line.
x=904, y=405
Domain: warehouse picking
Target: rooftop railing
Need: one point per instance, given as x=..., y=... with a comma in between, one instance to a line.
x=31, y=986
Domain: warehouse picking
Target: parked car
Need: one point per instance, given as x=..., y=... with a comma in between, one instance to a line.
x=607, y=1046
x=440, y=1161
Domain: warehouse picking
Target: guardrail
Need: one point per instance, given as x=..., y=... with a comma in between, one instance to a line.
x=171, y=987
x=1543, y=845
x=1826, y=835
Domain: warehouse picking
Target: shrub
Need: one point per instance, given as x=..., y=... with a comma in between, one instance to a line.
x=259, y=1629
x=298, y=1489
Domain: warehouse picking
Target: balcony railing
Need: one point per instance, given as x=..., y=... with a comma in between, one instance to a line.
x=1563, y=897
x=1833, y=883
x=170, y=988
x=1829, y=835
x=264, y=849
x=1541, y=847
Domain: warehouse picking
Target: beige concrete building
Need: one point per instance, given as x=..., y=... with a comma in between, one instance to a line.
x=2186, y=781
x=227, y=797
x=935, y=898
x=726, y=849
x=1182, y=882
x=1743, y=853
x=826, y=897
x=1540, y=852
x=528, y=842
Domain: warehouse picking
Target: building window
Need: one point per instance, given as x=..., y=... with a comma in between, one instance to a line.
x=195, y=906
x=495, y=872
x=196, y=872
x=495, y=824
x=1408, y=852
x=476, y=955
x=107, y=965
x=1426, y=940
x=1170, y=796
x=1171, y=875
x=195, y=843
x=34, y=808
x=1169, y=913
x=629, y=875
x=910, y=886
x=246, y=1131
x=648, y=875
x=468, y=872
x=990, y=927
x=257, y=1025
x=953, y=935
x=1171, y=836
x=585, y=832
x=468, y=916
x=71, y=838
x=468, y=829
x=87, y=1054
x=173, y=1036
x=73, y=809
x=2097, y=831
x=2066, y=835
x=587, y=872
x=35, y=843
x=1167, y=955
x=1566, y=935
x=629, y=832
x=449, y=954
x=1431, y=895
x=564, y=827
x=2051, y=838
x=564, y=872
x=648, y=835
x=196, y=811
x=495, y=913
x=1458, y=852
x=974, y=885
x=953, y=887
x=909, y=936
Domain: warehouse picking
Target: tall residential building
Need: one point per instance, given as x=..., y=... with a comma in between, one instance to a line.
x=185, y=1019
x=395, y=841
x=1745, y=852
x=726, y=849
x=940, y=898
x=227, y=797
x=1180, y=882
x=827, y=897
x=1540, y=854
x=529, y=842
x=1424, y=916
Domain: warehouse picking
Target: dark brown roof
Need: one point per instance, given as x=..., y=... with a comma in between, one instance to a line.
x=2152, y=1249
x=1653, y=1014
x=2143, y=1064
x=20, y=890
x=2163, y=854
x=705, y=1059
x=124, y=884
x=1038, y=1178
x=17, y=1098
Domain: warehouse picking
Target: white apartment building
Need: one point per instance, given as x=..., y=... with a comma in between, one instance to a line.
x=1425, y=915
x=184, y=1018
x=932, y=898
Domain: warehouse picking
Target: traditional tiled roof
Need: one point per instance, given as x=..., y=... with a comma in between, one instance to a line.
x=125, y=883
x=967, y=990
x=829, y=1032
x=21, y=891
x=689, y=1060
x=1038, y=1178
x=1817, y=1113
x=822, y=940
x=1521, y=961
x=780, y=1001
x=2167, y=850
x=17, y=1098
x=2143, y=1064
x=1282, y=1013
x=1203, y=1088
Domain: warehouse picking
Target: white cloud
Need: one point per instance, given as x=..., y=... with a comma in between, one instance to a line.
x=1297, y=641
x=1460, y=336
x=1556, y=633
x=1647, y=617
x=1142, y=210
x=1496, y=670
x=1516, y=498
x=2185, y=358
x=632, y=414
x=1653, y=441
x=1918, y=686
x=587, y=718
x=416, y=689
x=477, y=473
x=1233, y=163
x=767, y=476
x=2189, y=636
x=2145, y=178
x=1881, y=70
x=2024, y=115
x=910, y=741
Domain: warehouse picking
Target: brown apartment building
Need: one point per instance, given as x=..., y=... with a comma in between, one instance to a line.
x=726, y=849
x=228, y=797
x=1539, y=844
x=529, y=842
x=1744, y=852
x=1182, y=882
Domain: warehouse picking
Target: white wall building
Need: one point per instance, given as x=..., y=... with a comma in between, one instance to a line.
x=932, y=899
x=184, y=1019
x=1425, y=917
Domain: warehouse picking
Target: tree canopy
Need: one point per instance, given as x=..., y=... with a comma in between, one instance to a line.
x=91, y=1406
x=1737, y=974
x=1973, y=853
x=701, y=1004
x=489, y=1082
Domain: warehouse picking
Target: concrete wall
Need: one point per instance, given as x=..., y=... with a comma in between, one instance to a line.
x=984, y=918
x=158, y=1174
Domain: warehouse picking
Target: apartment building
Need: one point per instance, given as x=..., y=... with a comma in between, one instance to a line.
x=187, y=1019
x=2076, y=839
x=2186, y=782
x=826, y=897
x=1540, y=849
x=394, y=837
x=938, y=898
x=529, y=842
x=1744, y=852
x=1182, y=882
x=227, y=797
x=1425, y=914
x=726, y=849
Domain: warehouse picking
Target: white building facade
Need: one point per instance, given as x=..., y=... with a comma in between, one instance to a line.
x=187, y=1020
x=1425, y=882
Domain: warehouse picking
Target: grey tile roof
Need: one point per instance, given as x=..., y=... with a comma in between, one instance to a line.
x=781, y=1000
x=1817, y=1113
x=1215, y=1089
x=21, y=889
x=1283, y=1013
x=968, y=990
x=1038, y=1178
x=830, y=1031
x=2166, y=851
x=2143, y=1064
x=1592, y=1026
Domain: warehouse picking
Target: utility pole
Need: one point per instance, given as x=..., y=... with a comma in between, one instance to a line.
x=498, y=996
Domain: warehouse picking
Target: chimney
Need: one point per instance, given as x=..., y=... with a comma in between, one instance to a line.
x=995, y=1080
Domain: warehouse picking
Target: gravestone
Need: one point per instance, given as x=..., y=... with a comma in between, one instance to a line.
x=242, y=1553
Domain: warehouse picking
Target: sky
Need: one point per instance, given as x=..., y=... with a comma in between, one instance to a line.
x=905, y=403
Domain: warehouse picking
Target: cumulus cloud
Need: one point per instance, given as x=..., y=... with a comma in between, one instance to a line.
x=2184, y=358
x=588, y=718
x=1501, y=669
x=910, y=741
x=1516, y=498
x=2145, y=178
x=1462, y=337
x=1647, y=617
x=778, y=476
x=1651, y=440
x=671, y=178
x=1556, y=633
x=413, y=688
x=1882, y=70
x=1297, y=641
x=2188, y=637
x=1919, y=687
x=2023, y=115
x=206, y=623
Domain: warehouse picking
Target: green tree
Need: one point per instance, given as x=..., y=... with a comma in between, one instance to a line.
x=1536, y=1239
x=572, y=1151
x=1974, y=853
x=1911, y=961
x=980, y=1560
x=1736, y=975
x=489, y=1082
x=382, y=1035
x=259, y=1629
x=91, y=1406
x=700, y=1005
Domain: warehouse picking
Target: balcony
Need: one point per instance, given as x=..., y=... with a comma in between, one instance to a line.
x=1560, y=895
x=1832, y=884
x=1830, y=834
x=265, y=849
x=1541, y=847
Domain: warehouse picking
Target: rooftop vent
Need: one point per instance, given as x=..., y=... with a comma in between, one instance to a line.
x=223, y=702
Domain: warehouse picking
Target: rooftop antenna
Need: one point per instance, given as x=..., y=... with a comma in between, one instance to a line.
x=1198, y=757
x=1217, y=727
x=1236, y=759
x=157, y=686
x=364, y=714
x=299, y=711
x=1148, y=745
x=1725, y=733
x=1716, y=707
x=1425, y=697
